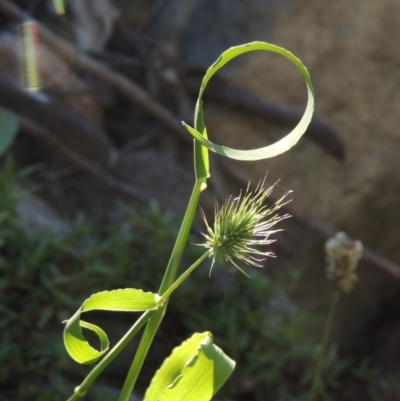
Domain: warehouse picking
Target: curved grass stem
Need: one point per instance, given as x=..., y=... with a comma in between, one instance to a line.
x=320, y=361
x=182, y=277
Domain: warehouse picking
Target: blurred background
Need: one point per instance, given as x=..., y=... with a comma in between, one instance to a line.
x=96, y=171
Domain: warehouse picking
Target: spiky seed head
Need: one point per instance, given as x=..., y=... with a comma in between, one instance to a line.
x=343, y=255
x=242, y=223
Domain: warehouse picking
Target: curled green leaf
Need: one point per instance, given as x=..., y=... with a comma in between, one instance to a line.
x=276, y=148
x=194, y=371
x=125, y=300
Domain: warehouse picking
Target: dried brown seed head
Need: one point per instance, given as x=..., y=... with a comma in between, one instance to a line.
x=343, y=255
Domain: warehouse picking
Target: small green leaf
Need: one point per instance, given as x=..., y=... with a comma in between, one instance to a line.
x=276, y=148
x=125, y=300
x=8, y=129
x=195, y=371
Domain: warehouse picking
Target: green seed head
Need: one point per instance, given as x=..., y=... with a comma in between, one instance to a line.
x=242, y=223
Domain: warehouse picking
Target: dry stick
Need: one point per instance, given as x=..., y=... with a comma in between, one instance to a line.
x=70, y=127
x=117, y=58
x=376, y=260
x=389, y=267
x=124, y=85
x=152, y=15
x=13, y=11
x=90, y=168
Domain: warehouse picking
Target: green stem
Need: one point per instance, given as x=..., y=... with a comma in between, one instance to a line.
x=134, y=371
x=181, y=240
x=182, y=277
x=318, y=368
x=81, y=390
x=168, y=280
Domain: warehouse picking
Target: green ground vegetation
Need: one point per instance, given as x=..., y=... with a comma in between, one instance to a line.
x=44, y=279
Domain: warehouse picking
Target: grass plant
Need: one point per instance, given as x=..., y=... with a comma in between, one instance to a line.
x=200, y=367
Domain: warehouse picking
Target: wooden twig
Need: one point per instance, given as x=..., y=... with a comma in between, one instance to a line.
x=70, y=127
x=118, y=59
x=13, y=11
x=370, y=256
x=31, y=127
x=153, y=13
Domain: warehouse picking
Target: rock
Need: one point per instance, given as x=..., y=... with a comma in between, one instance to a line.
x=37, y=215
x=160, y=176
x=95, y=21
